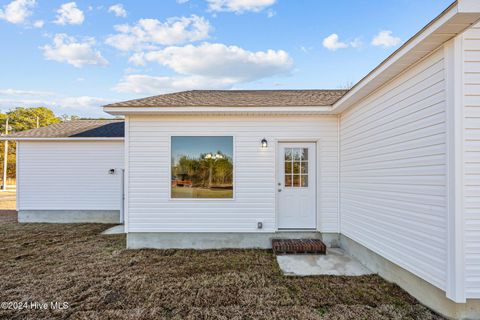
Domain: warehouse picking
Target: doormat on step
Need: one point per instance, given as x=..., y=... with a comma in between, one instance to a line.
x=298, y=246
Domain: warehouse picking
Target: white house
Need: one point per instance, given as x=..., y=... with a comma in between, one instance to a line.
x=389, y=170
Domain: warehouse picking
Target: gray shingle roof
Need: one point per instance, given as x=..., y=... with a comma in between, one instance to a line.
x=237, y=98
x=75, y=129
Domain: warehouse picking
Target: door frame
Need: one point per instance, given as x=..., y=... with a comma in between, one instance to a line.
x=277, y=165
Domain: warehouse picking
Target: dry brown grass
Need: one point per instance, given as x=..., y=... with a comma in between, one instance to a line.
x=100, y=279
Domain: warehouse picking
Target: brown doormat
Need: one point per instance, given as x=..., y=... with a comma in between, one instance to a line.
x=297, y=246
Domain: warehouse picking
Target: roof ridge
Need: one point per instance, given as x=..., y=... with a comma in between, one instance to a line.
x=238, y=98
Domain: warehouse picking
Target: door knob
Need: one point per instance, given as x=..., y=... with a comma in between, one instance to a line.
x=279, y=190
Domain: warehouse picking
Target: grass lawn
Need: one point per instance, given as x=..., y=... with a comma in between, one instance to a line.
x=101, y=279
x=182, y=192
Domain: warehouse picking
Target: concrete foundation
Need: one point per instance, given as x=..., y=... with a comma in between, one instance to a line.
x=69, y=216
x=429, y=295
x=331, y=240
x=173, y=240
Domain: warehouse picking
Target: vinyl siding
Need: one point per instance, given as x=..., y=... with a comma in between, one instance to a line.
x=151, y=210
x=61, y=175
x=471, y=158
x=393, y=171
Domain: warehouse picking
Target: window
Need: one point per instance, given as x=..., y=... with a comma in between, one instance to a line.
x=296, y=167
x=202, y=167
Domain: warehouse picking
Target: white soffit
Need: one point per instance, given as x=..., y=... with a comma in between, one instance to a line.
x=454, y=20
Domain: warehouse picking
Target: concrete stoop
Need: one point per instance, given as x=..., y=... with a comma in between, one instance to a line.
x=334, y=263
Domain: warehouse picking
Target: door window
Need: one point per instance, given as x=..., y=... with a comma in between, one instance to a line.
x=296, y=167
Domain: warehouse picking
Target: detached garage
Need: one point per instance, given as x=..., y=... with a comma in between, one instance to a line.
x=71, y=172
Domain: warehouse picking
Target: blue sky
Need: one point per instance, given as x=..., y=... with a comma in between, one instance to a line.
x=193, y=147
x=76, y=56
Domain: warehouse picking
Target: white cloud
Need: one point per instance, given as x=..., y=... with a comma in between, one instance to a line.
x=216, y=60
x=39, y=24
x=81, y=102
x=17, y=11
x=17, y=92
x=68, y=13
x=385, y=39
x=138, y=59
x=333, y=43
x=81, y=105
x=209, y=65
x=356, y=43
x=131, y=70
x=125, y=42
x=69, y=50
x=305, y=49
x=118, y=10
x=239, y=6
x=147, y=33
x=145, y=84
x=271, y=13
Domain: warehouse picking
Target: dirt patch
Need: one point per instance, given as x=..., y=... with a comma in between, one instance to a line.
x=100, y=279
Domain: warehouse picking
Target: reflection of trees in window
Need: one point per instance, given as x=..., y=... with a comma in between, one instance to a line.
x=202, y=167
x=210, y=170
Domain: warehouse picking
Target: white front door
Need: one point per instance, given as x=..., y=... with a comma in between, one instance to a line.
x=296, y=186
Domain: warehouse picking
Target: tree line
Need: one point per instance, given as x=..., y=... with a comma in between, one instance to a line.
x=24, y=118
x=205, y=172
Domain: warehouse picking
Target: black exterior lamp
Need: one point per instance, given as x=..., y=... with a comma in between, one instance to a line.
x=264, y=143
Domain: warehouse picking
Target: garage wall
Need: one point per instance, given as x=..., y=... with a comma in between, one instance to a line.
x=63, y=175
x=393, y=171
x=151, y=210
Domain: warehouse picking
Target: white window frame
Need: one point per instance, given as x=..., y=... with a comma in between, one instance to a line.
x=300, y=172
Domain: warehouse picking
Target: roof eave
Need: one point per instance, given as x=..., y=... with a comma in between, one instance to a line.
x=219, y=110
x=451, y=22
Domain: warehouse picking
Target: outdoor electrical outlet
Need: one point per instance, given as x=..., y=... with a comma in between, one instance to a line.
x=259, y=225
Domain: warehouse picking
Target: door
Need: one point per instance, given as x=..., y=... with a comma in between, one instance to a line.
x=296, y=186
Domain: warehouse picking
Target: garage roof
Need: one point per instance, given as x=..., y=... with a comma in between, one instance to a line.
x=111, y=128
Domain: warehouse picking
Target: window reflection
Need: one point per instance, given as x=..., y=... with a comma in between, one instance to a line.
x=202, y=167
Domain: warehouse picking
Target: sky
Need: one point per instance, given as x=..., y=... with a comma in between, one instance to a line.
x=193, y=147
x=75, y=57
